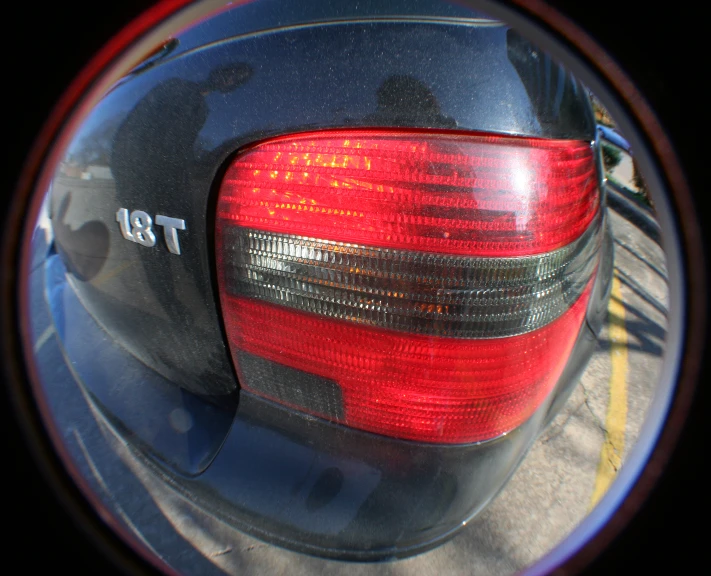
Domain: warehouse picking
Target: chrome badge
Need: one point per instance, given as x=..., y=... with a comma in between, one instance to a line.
x=137, y=226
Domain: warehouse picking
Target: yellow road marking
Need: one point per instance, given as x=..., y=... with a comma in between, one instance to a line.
x=616, y=419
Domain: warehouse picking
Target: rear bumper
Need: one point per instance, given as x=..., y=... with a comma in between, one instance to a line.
x=305, y=484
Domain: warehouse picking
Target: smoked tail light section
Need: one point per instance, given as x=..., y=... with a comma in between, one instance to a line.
x=422, y=286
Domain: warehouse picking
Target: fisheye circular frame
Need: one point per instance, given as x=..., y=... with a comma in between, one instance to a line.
x=580, y=53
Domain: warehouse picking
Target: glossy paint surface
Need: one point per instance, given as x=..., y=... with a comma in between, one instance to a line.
x=156, y=145
x=159, y=139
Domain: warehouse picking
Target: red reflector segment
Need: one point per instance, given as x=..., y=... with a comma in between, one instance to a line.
x=452, y=194
x=423, y=286
x=428, y=389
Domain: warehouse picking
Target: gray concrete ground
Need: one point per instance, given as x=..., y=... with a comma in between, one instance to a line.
x=548, y=496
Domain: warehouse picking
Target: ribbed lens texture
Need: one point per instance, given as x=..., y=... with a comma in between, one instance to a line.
x=414, y=387
x=428, y=287
x=472, y=195
x=411, y=291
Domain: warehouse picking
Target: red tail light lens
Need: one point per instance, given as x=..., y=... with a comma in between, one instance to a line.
x=473, y=195
x=423, y=286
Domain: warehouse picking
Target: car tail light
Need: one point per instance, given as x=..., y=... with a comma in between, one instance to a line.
x=423, y=286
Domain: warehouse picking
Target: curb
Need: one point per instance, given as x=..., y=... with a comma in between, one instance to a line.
x=640, y=216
